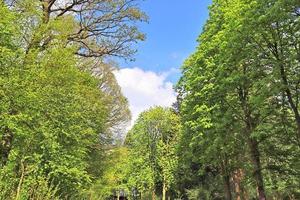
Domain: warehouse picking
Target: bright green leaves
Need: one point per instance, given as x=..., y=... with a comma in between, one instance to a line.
x=153, y=149
x=7, y=27
x=238, y=93
x=52, y=114
x=58, y=113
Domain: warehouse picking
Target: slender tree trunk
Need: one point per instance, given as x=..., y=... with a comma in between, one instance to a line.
x=298, y=126
x=21, y=180
x=278, y=53
x=34, y=43
x=226, y=178
x=164, y=190
x=46, y=11
x=250, y=124
x=290, y=98
x=153, y=194
x=5, y=146
x=227, y=187
x=255, y=156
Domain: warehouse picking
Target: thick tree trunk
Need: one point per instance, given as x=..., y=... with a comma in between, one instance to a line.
x=239, y=190
x=237, y=184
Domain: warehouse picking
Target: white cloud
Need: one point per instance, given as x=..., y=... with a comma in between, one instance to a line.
x=145, y=89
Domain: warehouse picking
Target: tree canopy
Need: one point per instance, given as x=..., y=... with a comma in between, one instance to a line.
x=234, y=132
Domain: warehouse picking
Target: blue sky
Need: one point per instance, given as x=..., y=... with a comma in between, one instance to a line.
x=173, y=28
x=172, y=31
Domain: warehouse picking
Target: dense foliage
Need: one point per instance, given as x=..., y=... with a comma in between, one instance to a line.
x=152, y=157
x=60, y=103
x=239, y=101
x=234, y=132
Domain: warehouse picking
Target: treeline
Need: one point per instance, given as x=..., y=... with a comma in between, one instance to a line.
x=239, y=100
x=234, y=132
x=60, y=105
x=145, y=166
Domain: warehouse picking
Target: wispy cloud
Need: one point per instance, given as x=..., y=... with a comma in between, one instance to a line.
x=175, y=55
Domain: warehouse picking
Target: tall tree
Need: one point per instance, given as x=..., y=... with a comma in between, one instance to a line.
x=153, y=140
x=103, y=28
x=231, y=86
x=53, y=115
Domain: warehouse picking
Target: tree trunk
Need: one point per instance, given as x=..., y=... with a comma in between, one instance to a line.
x=255, y=156
x=237, y=184
x=46, y=11
x=34, y=43
x=227, y=187
x=240, y=192
x=21, y=180
x=164, y=191
x=226, y=178
x=250, y=124
x=153, y=194
x=245, y=195
x=290, y=98
x=5, y=146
